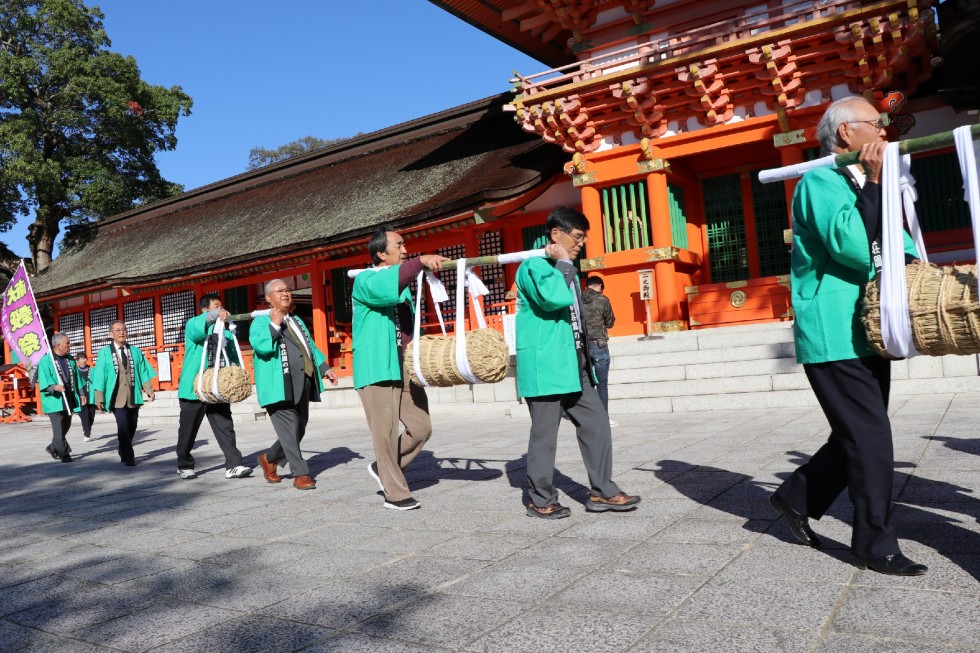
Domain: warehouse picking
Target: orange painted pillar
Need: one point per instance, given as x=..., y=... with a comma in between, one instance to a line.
x=319, y=295
x=592, y=208
x=668, y=308
x=158, y=319
x=790, y=156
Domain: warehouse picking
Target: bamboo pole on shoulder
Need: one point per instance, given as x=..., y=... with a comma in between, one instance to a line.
x=910, y=146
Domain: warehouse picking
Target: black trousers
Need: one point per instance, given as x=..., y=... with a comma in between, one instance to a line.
x=289, y=421
x=858, y=455
x=126, y=419
x=192, y=413
x=87, y=414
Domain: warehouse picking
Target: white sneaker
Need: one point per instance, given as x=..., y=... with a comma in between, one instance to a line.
x=613, y=422
x=238, y=472
x=186, y=474
x=86, y=439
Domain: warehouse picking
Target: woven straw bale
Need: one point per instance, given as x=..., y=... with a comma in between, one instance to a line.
x=486, y=352
x=943, y=310
x=234, y=384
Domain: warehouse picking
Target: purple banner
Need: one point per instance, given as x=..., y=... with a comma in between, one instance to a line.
x=22, y=328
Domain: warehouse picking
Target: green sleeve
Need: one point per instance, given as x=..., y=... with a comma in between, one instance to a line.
x=544, y=286
x=377, y=288
x=45, y=373
x=99, y=376
x=261, y=339
x=825, y=205
x=197, y=329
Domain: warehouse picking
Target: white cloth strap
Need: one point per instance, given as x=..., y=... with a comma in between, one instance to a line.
x=417, y=330
x=896, y=328
x=967, y=152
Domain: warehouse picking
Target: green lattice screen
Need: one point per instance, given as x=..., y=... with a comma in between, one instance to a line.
x=625, y=211
x=726, y=228
x=236, y=301
x=678, y=216
x=769, y=204
x=532, y=236
x=940, y=186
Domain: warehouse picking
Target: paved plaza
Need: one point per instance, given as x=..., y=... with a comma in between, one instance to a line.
x=99, y=557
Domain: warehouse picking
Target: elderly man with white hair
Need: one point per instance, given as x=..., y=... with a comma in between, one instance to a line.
x=836, y=236
x=57, y=376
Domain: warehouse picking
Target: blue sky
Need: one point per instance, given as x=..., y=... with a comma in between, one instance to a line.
x=265, y=73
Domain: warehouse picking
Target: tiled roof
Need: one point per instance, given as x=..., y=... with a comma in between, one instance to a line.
x=433, y=167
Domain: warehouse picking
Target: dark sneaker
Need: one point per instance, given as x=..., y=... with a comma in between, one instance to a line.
x=52, y=452
x=622, y=502
x=551, y=511
x=373, y=471
x=66, y=458
x=404, y=504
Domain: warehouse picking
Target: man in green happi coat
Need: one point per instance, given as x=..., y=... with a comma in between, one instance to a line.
x=288, y=368
x=384, y=322
x=58, y=379
x=121, y=377
x=556, y=374
x=837, y=226
x=200, y=344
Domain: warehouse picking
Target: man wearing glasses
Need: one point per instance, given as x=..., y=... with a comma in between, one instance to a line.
x=122, y=375
x=556, y=374
x=836, y=236
x=288, y=371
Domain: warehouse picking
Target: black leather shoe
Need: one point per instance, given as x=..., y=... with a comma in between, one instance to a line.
x=894, y=565
x=799, y=524
x=52, y=452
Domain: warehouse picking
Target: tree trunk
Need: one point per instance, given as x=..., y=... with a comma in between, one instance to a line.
x=41, y=236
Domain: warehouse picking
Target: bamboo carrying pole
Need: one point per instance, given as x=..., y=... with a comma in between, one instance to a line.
x=497, y=259
x=911, y=146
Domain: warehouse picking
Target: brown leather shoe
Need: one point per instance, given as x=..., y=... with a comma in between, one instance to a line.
x=269, y=470
x=304, y=483
x=622, y=502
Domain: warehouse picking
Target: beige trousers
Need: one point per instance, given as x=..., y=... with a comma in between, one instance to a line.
x=385, y=405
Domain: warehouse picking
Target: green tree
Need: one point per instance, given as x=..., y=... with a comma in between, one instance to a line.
x=260, y=156
x=78, y=125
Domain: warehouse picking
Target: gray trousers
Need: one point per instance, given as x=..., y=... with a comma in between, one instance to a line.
x=60, y=423
x=289, y=421
x=594, y=441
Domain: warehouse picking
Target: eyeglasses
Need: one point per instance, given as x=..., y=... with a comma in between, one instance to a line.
x=578, y=239
x=282, y=290
x=878, y=124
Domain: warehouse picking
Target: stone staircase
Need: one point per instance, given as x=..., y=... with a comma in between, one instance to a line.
x=728, y=368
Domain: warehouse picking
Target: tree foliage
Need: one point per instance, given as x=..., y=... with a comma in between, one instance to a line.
x=260, y=156
x=78, y=125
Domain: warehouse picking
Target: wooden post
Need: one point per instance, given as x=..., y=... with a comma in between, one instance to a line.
x=668, y=309
x=592, y=208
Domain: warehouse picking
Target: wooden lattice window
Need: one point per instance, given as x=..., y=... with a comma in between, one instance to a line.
x=138, y=316
x=100, y=319
x=492, y=244
x=678, y=215
x=725, y=223
x=73, y=326
x=341, y=287
x=449, y=279
x=939, y=183
x=769, y=208
x=176, y=309
x=625, y=216
x=236, y=301
x=534, y=237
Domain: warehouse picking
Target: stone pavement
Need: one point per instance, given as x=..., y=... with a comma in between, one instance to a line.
x=95, y=556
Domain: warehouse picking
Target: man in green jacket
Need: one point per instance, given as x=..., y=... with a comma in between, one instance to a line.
x=556, y=374
x=836, y=236
x=60, y=397
x=384, y=320
x=122, y=375
x=288, y=369
x=200, y=341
